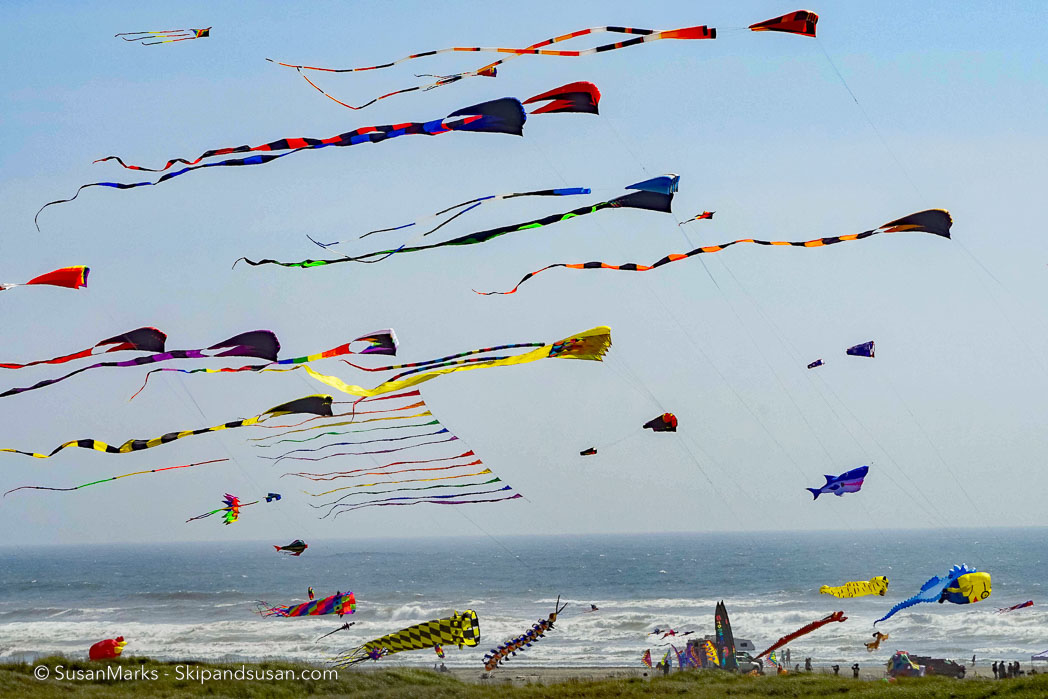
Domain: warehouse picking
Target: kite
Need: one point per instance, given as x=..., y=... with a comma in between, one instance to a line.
x=380, y=342
x=704, y=216
x=876, y=642
x=1023, y=605
x=107, y=649
x=470, y=205
x=166, y=36
x=490, y=70
x=590, y=345
x=711, y=659
x=113, y=478
x=458, y=630
x=588, y=452
x=934, y=221
x=310, y=592
x=646, y=658
x=960, y=585
x=495, y=656
x=801, y=22
x=874, y=586
x=804, y=630
x=725, y=639
x=667, y=422
x=339, y=603
x=256, y=343
x=656, y=631
x=439, y=651
x=311, y=405
x=593, y=608
x=648, y=198
x=295, y=548
x=504, y=115
x=344, y=627
x=847, y=482
x=816, y=363
x=65, y=277
x=140, y=340
x=864, y=350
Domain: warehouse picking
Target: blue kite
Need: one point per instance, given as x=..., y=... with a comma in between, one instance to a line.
x=847, y=482
x=961, y=585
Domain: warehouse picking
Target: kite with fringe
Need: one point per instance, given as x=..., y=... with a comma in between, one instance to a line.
x=804, y=630
x=520, y=643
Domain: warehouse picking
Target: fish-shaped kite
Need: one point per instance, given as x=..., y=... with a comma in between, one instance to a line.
x=847, y=482
x=295, y=548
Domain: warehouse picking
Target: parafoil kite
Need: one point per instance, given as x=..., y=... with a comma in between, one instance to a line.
x=295, y=548
x=801, y=22
x=652, y=196
x=876, y=642
x=804, y=630
x=866, y=349
x=538, y=630
x=704, y=216
x=934, y=221
x=456, y=630
x=262, y=344
x=847, y=482
x=113, y=478
x=504, y=115
x=725, y=639
x=1022, y=605
x=166, y=36
x=231, y=507
x=138, y=340
x=960, y=585
x=310, y=405
x=65, y=277
x=874, y=586
x=383, y=342
x=339, y=603
x=667, y=422
x=107, y=649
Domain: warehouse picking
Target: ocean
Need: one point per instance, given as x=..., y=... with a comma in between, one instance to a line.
x=197, y=601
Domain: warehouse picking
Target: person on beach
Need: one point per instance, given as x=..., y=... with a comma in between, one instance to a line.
x=836, y=670
x=995, y=669
x=807, y=664
x=855, y=670
x=797, y=667
x=787, y=656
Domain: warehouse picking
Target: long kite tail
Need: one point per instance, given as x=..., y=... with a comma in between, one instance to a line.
x=491, y=69
x=934, y=221
x=113, y=478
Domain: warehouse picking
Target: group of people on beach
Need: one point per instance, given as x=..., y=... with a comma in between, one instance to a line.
x=1004, y=670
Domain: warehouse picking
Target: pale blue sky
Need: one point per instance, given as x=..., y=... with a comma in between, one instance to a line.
x=761, y=130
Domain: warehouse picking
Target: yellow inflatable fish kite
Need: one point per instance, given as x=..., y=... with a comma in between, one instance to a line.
x=873, y=586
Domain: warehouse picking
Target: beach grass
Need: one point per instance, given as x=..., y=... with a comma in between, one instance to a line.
x=142, y=677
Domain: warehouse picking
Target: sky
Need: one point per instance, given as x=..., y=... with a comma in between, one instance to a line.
x=894, y=108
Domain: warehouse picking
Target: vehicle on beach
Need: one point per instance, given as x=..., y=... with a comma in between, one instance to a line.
x=939, y=666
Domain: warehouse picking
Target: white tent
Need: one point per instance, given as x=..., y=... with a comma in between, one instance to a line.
x=1043, y=655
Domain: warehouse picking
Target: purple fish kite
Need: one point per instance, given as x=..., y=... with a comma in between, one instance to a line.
x=847, y=482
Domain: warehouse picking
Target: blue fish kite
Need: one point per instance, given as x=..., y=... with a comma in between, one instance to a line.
x=847, y=482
